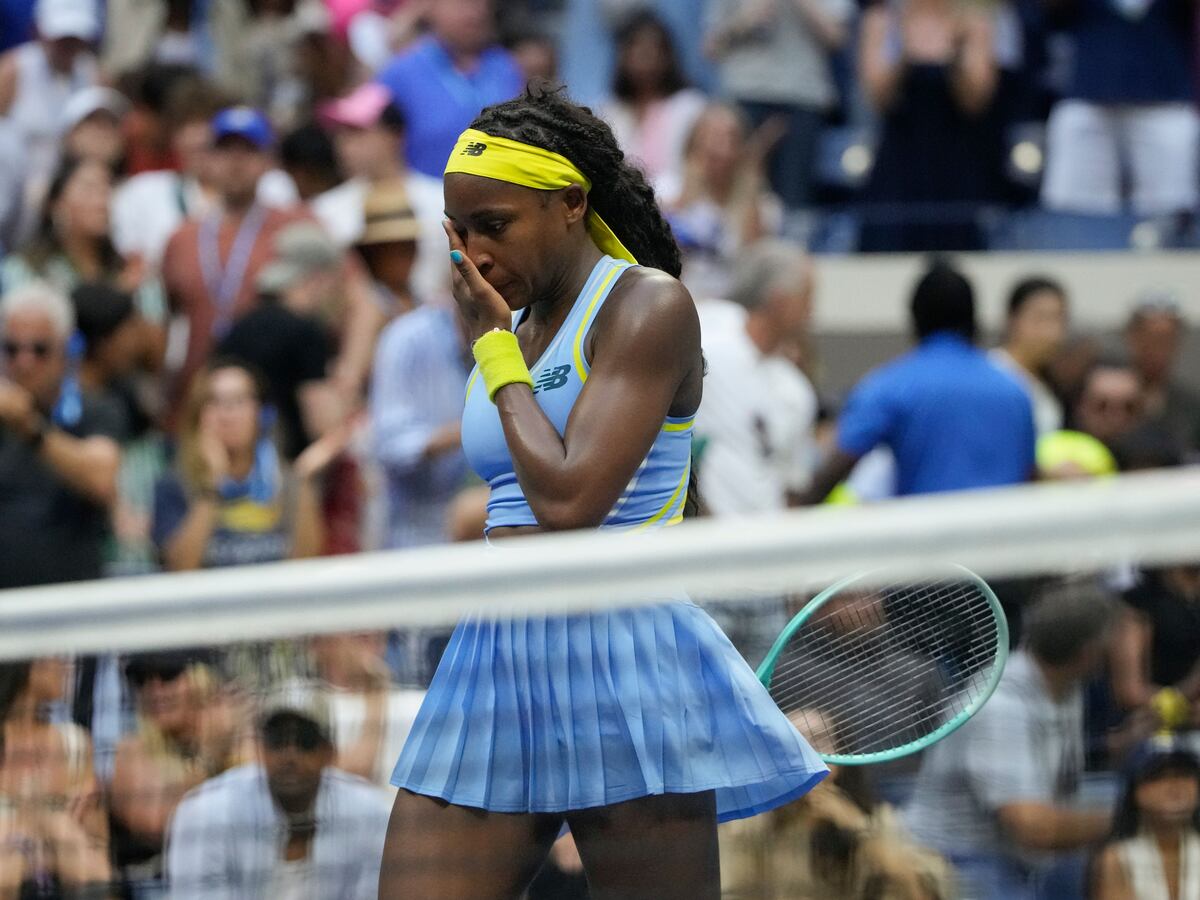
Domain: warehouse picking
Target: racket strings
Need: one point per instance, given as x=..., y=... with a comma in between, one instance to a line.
x=890, y=666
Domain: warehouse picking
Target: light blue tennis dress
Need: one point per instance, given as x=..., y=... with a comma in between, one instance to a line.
x=557, y=713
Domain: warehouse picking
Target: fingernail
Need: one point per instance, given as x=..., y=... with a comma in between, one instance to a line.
x=456, y=257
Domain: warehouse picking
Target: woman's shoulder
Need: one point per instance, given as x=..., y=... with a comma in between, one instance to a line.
x=646, y=294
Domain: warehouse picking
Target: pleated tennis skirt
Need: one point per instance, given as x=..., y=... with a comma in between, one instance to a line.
x=558, y=713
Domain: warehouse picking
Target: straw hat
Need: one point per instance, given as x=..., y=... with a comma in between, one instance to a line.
x=388, y=217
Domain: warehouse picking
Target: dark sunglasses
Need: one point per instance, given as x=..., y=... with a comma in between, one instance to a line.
x=139, y=677
x=13, y=349
x=1112, y=404
x=305, y=736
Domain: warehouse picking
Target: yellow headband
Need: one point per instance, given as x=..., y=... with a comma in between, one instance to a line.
x=477, y=153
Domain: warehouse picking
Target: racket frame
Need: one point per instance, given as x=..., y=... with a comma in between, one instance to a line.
x=767, y=668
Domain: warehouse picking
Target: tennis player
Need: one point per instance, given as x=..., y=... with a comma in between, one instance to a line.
x=640, y=728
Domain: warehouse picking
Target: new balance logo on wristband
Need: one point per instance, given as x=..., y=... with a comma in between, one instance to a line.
x=551, y=379
x=475, y=148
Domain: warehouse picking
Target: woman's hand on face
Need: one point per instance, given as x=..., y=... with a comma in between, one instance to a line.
x=213, y=451
x=479, y=303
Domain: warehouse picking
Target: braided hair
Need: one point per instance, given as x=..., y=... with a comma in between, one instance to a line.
x=544, y=117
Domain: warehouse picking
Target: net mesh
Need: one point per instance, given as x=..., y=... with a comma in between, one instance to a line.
x=152, y=690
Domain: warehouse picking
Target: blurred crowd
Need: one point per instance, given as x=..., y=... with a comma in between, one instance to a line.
x=226, y=338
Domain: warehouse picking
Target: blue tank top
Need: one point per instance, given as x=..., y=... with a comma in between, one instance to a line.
x=654, y=496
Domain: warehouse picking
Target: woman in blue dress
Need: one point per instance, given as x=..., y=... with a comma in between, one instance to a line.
x=639, y=728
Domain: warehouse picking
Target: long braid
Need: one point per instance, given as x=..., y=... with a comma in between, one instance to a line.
x=545, y=118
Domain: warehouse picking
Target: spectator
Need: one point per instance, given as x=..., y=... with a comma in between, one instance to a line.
x=13, y=164
x=416, y=403
x=756, y=421
x=774, y=60
x=232, y=502
x=442, y=81
x=998, y=797
x=1156, y=649
x=308, y=158
x=321, y=60
x=368, y=132
x=72, y=244
x=211, y=265
x=928, y=67
x=1154, y=850
x=285, y=338
x=719, y=203
x=111, y=330
x=1036, y=328
x=370, y=718
x=151, y=206
x=652, y=109
x=1112, y=404
x=389, y=246
x=289, y=825
x=952, y=419
x=92, y=126
x=1153, y=337
x=188, y=729
x=58, y=456
x=55, y=832
x=39, y=77
x=1127, y=115
x=835, y=841
x=205, y=36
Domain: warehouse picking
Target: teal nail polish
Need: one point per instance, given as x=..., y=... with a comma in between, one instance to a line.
x=456, y=257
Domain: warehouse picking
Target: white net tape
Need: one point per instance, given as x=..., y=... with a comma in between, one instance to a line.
x=1038, y=529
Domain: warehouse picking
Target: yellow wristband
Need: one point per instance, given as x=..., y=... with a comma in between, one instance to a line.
x=1172, y=708
x=500, y=361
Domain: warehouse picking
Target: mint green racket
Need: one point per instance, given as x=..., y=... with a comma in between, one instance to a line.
x=885, y=667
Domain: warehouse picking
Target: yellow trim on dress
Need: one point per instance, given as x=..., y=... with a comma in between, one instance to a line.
x=586, y=321
x=670, y=503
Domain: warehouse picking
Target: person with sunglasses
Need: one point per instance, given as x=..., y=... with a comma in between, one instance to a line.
x=188, y=729
x=288, y=826
x=58, y=453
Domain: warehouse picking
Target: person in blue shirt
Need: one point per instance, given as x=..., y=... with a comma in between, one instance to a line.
x=442, y=81
x=952, y=419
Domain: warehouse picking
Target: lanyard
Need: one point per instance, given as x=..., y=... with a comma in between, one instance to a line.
x=224, y=283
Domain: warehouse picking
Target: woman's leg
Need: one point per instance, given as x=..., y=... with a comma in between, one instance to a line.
x=438, y=851
x=656, y=848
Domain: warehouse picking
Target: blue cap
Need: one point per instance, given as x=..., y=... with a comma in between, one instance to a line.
x=1158, y=753
x=246, y=123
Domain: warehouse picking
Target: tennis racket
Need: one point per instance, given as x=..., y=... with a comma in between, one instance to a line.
x=876, y=668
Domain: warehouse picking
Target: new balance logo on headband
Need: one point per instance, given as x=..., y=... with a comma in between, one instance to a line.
x=475, y=148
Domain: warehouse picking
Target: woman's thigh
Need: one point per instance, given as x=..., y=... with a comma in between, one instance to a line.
x=657, y=848
x=438, y=851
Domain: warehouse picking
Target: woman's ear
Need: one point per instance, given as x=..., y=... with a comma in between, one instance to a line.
x=574, y=200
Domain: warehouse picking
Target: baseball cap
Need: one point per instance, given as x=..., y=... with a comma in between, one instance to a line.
x=301, y=698
x=93, y=100
x=359, y=109
x=1159, y=753
x=246, y=123
x=388, y=216
x=300, y=249
x=67, y=19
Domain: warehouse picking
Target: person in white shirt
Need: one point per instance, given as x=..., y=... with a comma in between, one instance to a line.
x=999, y=798
x=1036, y=329
x=368, y=134
x=755, y=424
x=290, y=827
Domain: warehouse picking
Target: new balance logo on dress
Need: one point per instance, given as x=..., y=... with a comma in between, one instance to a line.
x=552, y=379
x=475, y=148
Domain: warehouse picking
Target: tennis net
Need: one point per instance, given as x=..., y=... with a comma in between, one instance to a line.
x=170, y=678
